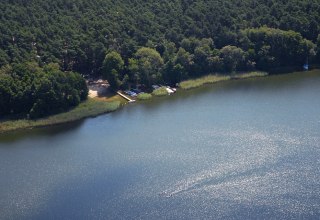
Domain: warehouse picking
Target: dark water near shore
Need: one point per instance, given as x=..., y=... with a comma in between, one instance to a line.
x=245, y=149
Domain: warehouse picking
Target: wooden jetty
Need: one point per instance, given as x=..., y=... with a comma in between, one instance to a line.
x=125, y=97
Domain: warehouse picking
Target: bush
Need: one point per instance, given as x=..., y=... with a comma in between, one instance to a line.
x=162, y=91
x=144, y=96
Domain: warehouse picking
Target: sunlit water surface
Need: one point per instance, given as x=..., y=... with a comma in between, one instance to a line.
x=245, y=149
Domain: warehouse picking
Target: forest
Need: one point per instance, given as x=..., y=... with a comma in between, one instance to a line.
x=132, y=42
x=29, y=90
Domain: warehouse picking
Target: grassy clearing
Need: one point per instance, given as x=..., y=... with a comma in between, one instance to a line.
x=144, y=96
x=162, y=91
x=249, y=75
x=89, y=108
x=193, y=83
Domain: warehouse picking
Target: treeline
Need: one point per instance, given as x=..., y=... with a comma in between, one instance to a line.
x=29, y=90
x=263, y=48
x=77, y=34
x=142, y=42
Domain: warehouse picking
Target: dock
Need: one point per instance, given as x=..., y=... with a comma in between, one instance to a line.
x=125, y=97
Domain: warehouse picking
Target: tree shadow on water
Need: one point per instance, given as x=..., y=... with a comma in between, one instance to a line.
x=49, y=131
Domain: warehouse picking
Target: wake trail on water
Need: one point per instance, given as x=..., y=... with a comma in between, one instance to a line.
x=258, y=160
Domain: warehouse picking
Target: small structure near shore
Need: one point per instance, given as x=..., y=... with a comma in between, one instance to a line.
x=169, y=90
x=125, y=97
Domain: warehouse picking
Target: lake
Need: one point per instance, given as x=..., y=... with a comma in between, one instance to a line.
x=246, y=149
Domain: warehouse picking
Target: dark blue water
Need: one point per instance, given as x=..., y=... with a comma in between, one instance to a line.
x=237, y=150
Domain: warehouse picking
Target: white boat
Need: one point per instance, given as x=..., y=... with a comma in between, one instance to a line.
x=170, y=91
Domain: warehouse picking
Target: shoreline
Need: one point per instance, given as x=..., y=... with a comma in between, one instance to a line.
x=215, y=78
x=87, y=109
x=94, y=107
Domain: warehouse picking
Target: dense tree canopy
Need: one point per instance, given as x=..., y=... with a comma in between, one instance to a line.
x=113, y=66
x=28, y=89
x=192, y=37
x=77, y=33
x=147, y=64
x=276, y=48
